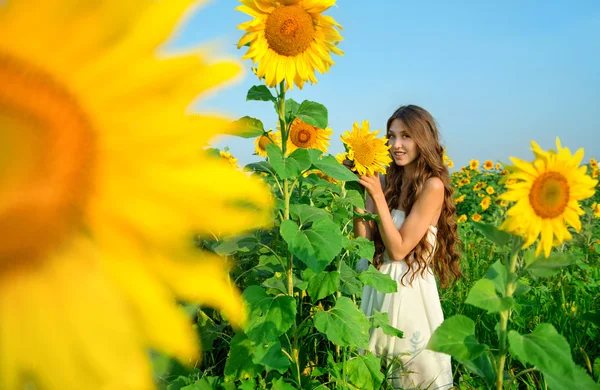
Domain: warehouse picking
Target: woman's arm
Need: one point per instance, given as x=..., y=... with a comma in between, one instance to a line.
x=363, y=228
x=399, y=243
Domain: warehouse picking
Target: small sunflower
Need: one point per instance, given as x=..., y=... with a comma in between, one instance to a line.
x=485, y=203
x=226, y=155
x=504, y=203
x=290, y=39
x=369, y=153
x=303, y=135
x=476, y=217
x=260, y=143
x=447, y=161
x=498, y=166
x=488, y=164
x=593, y=163
x=547, y=195
x=480, y=194
x=479, y=186
x=463, y=182
x=490, y=190
x=596, y=210
x=473, y=164
x=460, y=199
x=95, y=237
x=462, y=218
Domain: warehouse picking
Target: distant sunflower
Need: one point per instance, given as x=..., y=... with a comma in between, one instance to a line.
x=481, y=194
x=103, y=186
x=303, y=135
x=462, y=218
x=547, y=193
x=260, y=143
x=485, y=203
x=490, y=190
x=473, y=164
x=488, y=164
x=226, y=155
x=463, y=182
x=593, y=163
x=504, y=203
x=476, y=217
x=460, y=199
x=290, y=39
x=498, y=166
x=596, y=210
x=369, y=153
x=479, y=186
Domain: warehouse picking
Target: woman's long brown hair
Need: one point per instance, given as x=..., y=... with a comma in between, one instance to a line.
x=421, y=127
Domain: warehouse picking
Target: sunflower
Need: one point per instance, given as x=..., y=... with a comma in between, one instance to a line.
x=103, y=187
x=462, y=218
x=490, y=190
x=303, y=135
x=504, y=203
x=547, y=193
x=488, y=164
x=481, y=194
x=369, y=153
x=479, y=186
x=593, y=163
x=226, y=155
x=463, y=182
x=485, y=203
x=473, y=164
x=290, y=39
x=498, y=166
x=476, y=217
x=596, y=210
x=260, y=143
x=447, y=161
x=460, y=199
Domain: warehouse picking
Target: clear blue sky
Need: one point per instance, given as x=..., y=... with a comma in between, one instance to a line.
x=494, y=74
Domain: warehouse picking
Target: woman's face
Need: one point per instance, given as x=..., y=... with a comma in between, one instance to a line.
x=403, y=148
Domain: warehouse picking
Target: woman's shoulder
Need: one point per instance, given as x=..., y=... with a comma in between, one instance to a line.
x=434, y=184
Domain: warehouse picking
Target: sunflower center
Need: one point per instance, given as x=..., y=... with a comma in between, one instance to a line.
x=549, y=195
x=289, y=30
x=364, y=153
x=302, y=134
x=263, y=142
x=46, y=159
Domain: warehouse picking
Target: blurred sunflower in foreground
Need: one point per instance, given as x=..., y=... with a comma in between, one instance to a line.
x=289, y=39
x=101, y=191
x=547, y=192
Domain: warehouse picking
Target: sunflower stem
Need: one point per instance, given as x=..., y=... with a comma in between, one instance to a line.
x=505, y=315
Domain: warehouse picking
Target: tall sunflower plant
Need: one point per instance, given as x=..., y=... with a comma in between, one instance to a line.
x=544, y=211
x=304, y=328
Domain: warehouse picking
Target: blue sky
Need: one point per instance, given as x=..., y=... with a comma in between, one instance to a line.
x=494, y=74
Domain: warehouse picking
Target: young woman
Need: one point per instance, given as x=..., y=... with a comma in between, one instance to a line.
x=416, y=236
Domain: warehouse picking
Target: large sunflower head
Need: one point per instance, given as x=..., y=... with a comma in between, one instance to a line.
x=260, y=143
x=547, y=192
x=97, y=216
x=289, y=39
x=369, y=153
x=303, y=135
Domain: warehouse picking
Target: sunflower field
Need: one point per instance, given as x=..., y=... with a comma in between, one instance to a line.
x=112, y=276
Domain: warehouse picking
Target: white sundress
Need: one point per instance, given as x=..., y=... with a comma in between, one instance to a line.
x=416, y=310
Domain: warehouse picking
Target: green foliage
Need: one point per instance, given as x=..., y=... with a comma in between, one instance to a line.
x=249, y=127
x=344, y=324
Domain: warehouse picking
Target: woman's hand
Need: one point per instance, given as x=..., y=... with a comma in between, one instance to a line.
x=372, y=184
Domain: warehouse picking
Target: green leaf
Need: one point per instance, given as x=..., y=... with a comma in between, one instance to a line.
x=596, y=369
x=281, y=384
x=380, y=281
x=382, y=320
x=483, y=295
x=291, y=108
x=302, y=157
x=344, y=324
x=207, y=383
x=271, y=356
x=323, y=284
x=364, y=247
x=260, y=92
x=313, y=113
x=547, y=267
x=249, y=127
x=497, y=273
x=329, y=166
x=315, y=154
x=456, y=337
x=285, y=167
x=208, y=330
x=248, y=384
x=261, y=166
x=364, y=371
x=593, y=317
x=276, y=283
x=269, y=316
x=550, y=353
x=349, y=281
x=316, y=243
x=355, y=198
x=493, y=234
x=239, y=364
x=521, y=287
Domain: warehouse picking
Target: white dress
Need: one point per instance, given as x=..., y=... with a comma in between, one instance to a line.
x=416, y=310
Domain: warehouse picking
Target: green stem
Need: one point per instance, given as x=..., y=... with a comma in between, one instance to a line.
x=505, y=316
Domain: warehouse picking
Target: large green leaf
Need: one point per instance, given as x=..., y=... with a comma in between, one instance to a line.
x=269, y=316
x=313, y=113
x=493, y=234
x=344, y=324
x=349, y=282
x=483, y=295
x=380, y=281
x=331, y=167
x=239, y=364
x=291, y=108
x=285, y=167
x=364, y=371
x=456, y=337
x=302, y=157
x=355, y=198
x=323, y=284
x=261, y=166
x=498, y=274
x=316, y=243
x=260, y=92
x=281, y=384
x=550, y=353
x=249, y=127
x=271, y=356
x=382, y=320
x=364, y=247
x=547, y=267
